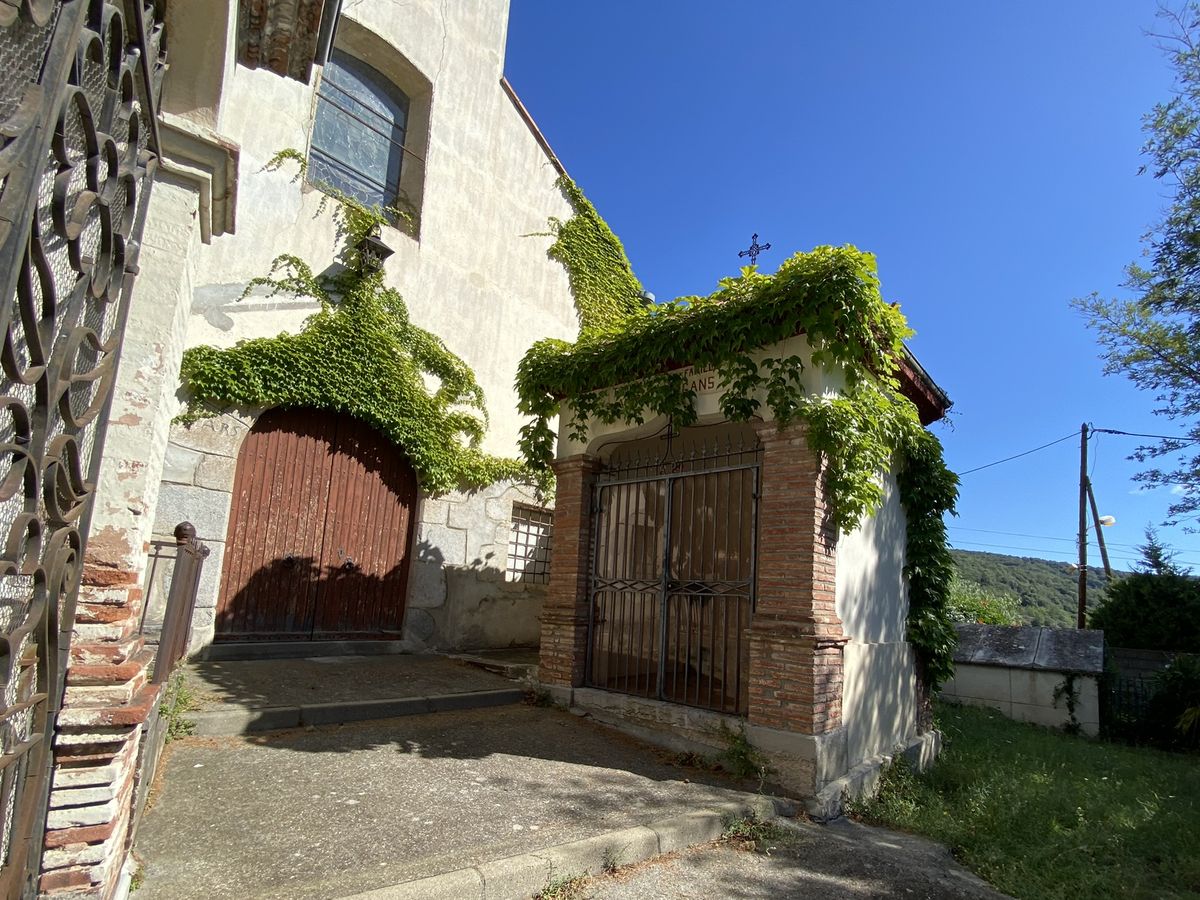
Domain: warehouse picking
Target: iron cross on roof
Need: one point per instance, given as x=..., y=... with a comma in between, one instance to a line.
x=754, y=250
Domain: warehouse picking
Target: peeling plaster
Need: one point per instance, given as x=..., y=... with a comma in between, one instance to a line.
x=110, y=547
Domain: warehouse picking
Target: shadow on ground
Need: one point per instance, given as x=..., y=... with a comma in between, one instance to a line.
x=258, y=684
x=332, y=811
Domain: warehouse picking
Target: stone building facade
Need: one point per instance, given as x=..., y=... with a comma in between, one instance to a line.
x=479, y=184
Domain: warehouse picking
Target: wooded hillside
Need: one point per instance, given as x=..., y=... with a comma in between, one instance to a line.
x=1047, y=589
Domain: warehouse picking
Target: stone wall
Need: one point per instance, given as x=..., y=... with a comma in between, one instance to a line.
x=1026, y=695
x=458, y=597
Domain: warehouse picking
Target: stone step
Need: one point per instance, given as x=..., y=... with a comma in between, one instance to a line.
x=515, y=670
x=234, y=720
x=300, y=649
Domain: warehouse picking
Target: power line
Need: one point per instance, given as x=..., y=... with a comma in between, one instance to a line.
x=1093, y=431
x=1161, y=437
x=1019, y=455
x=1045, y=537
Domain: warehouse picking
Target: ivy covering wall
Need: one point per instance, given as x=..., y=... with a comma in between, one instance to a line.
x=359, y=354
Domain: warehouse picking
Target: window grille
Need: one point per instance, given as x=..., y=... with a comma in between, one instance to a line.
x=529, y=544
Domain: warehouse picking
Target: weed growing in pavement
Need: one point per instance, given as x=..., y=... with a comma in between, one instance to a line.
x=610, y=860
x=561, y=887
x=740, y=757
x=177, y=701
x=748, y=833
x=540, y=697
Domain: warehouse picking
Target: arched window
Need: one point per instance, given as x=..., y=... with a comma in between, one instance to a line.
x=358, y=138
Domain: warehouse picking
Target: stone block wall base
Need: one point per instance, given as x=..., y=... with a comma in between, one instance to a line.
x=680, y=729
x=801, y=764
x=864, y=779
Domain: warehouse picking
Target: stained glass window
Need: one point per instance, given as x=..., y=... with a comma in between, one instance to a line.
x=358, y=138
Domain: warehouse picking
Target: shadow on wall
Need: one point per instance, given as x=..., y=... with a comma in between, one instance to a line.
x=299, y=598
x=872, y=599
x=880, y=700
x=472, y=606
x=467, y=607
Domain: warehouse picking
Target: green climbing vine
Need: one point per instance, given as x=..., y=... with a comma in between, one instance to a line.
x=607, y=293
x=359, y=354
x=628, y=366
x=928, y=492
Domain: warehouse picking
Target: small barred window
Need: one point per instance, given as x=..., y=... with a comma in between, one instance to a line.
x=529, y=544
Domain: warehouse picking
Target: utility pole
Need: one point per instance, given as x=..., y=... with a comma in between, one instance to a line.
x=1099, y=530
x=1083, y=505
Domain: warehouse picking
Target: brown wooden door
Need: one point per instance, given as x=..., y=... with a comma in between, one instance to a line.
x=319, y=532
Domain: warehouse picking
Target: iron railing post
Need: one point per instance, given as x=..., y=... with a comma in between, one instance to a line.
x=181, y=600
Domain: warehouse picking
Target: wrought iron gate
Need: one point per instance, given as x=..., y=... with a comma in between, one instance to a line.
x=673, y=576
x=78, y=142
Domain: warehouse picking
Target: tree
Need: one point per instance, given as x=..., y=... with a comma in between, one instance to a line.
x=970, y=601
x=1154, y=338
x=1157, y=557
x=1151, y=612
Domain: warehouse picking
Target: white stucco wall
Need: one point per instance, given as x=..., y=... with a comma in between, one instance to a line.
x=144, y=392
x=879, y=687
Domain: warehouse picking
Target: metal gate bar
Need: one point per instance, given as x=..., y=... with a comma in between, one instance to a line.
x=672, y=577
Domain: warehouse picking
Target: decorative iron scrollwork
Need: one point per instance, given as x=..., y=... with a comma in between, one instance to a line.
x=77, y=149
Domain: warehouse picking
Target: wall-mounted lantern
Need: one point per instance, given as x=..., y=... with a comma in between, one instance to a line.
x=372, y=251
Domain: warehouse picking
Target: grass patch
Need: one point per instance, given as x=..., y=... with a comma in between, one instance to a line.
x=1041, y=814
x=177, y=701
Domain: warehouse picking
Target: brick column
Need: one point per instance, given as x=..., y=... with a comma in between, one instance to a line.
x=107, y=699
x=565, y=609
x=796, y=637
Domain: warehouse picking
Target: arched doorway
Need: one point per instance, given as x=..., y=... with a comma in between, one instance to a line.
x=320, y=532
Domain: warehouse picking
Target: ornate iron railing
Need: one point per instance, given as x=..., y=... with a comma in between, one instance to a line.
x=78, y=145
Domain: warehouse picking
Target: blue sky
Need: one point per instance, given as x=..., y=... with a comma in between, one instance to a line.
x=986, y=153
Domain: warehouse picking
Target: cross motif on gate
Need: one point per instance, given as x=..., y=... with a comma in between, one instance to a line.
x=754, y=250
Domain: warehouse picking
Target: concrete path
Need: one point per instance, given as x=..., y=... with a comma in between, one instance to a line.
x=840, y=861
x=330, y=812
x=237, y=697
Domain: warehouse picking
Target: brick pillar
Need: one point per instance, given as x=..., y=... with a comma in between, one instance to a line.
x=107, y=700
x=565, y=608
x=796, y=637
